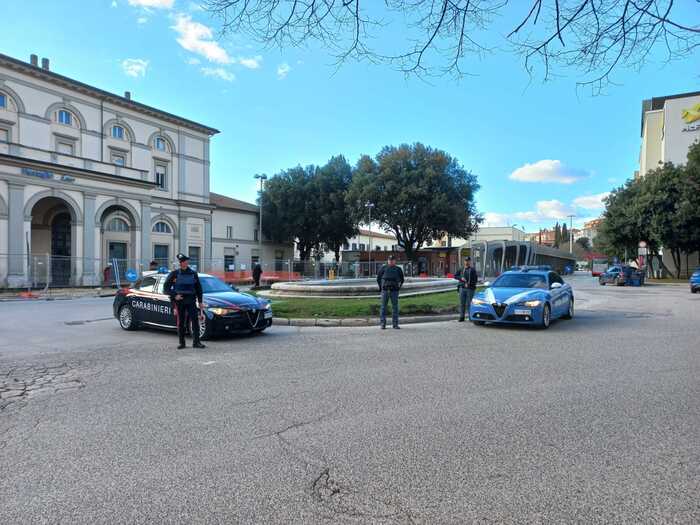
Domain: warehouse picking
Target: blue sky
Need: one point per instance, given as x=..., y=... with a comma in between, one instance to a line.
x=541, y=150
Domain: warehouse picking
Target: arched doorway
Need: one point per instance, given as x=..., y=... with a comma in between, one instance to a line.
x=118, y=228
x=51, y=242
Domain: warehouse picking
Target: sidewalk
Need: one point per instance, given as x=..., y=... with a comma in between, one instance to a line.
x=55, y=294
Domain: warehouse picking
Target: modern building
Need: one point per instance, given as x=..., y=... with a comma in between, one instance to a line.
x=88, y=178
x=236, y=243
x=590, y=229
x=670, y=125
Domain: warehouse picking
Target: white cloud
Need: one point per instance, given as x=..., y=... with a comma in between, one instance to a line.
x=141, y=20
x=496, y=219
x=591, y=202
x=251, y=63
x=219, y=72
x=158, y=4
x=135, y=67
x=545, y=211
x=283, y=70
x=198, y=39
x=547, y=171
x=114, y=3
x=192, y=61
x=194, y=6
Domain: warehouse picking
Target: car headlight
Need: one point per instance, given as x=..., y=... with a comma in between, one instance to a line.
x=222, y=311
x=479, y=301
x=532, y=304
x=267, y=306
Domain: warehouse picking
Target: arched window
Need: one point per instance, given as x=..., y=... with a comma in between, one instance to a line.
x=161, y=227
x=65, y=117
x=160, y=144
x=3, y=100
x=118, y=132
x=117, y=224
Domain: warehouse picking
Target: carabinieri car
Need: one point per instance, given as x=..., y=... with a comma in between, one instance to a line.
x=695, y=281
x=226, y=310
x=525, y=296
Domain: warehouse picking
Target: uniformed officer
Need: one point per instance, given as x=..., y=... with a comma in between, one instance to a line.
x=467, y=278
x=390, y=280
x=185, y=293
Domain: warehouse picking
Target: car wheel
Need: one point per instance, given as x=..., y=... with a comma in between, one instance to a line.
x=546, y=316
x=205, y=328
x=479, y=323
x=570, y=313
x=601, y=282
x=126, y=318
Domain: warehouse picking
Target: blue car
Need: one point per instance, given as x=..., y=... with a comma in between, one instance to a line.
x=695, y=281
x=527, y=296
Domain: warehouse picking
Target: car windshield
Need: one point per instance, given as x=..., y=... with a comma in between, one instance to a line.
x=520, y=280
x=213, y=285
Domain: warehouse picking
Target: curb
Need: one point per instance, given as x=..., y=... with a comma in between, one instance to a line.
x=357, y=322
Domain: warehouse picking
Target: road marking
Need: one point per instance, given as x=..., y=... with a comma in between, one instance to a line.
x=209, y=362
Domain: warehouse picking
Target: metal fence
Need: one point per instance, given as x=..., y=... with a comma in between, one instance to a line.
x=45, y=271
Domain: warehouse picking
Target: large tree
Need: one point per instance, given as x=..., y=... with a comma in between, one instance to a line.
x=290, y=209
x=434, y=36
x=334, y=216
x=417, y=192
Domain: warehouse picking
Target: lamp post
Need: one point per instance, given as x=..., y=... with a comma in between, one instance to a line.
x=369, y=207
x=262, y=177
x=571, y=233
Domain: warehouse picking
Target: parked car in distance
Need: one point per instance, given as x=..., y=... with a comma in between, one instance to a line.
x=695, y=281
x=616, y=275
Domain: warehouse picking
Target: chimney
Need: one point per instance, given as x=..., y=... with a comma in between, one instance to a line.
x=127, y=95
x=45, y=64
x=34, y=60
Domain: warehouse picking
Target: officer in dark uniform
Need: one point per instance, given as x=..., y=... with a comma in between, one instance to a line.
x=390, y=280
x=467, y=278
x=185, y=293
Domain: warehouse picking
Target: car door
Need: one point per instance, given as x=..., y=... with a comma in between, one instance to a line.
x=166, y=316
x=142, y=299
x=559, y=296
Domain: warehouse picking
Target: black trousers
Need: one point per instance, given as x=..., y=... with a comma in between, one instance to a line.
x=187, y=313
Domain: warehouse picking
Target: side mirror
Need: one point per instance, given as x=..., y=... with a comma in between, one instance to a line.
x=555, y=286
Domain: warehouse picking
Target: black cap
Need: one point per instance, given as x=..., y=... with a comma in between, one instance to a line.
x=391, y=258
x=182, y=257
x=467, y=258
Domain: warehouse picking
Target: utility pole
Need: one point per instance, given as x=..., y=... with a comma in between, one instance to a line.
x=571, y=233
x=369, y=207
x=262, y=178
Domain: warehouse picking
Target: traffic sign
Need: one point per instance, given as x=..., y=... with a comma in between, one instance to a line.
x=131, y=275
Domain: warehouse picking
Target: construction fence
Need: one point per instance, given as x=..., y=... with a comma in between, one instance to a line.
x=45, y=271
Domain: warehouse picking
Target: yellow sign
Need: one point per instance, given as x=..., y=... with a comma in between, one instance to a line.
x=691, y=114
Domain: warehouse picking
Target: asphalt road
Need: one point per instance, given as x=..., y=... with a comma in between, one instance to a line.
x=594, y=420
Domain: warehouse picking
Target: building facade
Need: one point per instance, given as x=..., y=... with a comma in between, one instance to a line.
x=89, y=178
x=235, y=238
x=670, y=125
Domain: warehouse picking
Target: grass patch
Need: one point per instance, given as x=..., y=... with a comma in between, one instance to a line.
x=435, y=303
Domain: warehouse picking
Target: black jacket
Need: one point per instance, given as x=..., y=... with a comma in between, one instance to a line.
x=390, y=277
x=170, y=286
x=467, y=277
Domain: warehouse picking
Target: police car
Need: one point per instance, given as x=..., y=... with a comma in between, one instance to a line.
x=226, y=310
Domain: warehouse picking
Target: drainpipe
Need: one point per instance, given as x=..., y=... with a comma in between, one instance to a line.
x=102, y=130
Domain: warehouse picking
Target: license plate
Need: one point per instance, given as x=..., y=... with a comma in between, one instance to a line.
x=268, y=315
x=522, y=312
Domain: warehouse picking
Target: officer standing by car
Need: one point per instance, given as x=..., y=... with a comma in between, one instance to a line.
x=185, y=292
x=467, y=278
x=390, y=280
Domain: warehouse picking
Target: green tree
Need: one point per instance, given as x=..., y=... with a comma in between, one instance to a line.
x=417, y=192
x=564, y=234
x=584, y=243
x=333, y=213
x=557, y=235
x=290, y=208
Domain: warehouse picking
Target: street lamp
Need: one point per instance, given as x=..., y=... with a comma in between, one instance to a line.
x=262, y=177
x=369, y=207
x=571, y=233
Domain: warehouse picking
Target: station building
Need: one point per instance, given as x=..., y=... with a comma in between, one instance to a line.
x=88, y=177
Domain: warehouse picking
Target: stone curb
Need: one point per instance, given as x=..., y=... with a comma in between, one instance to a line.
x=356, y=322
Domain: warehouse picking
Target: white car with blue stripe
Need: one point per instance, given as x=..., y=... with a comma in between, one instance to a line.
x=524, y=296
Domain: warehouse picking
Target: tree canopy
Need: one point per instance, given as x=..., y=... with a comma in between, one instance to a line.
x=417, y=192
x=592, y=36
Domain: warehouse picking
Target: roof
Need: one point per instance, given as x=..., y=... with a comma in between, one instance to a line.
x=377, y=234
x=222, y=201
x=657, y=103
x=55, y=78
